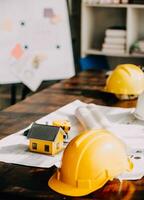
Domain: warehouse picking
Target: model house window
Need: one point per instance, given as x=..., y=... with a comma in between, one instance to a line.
x=47, y=148
x=34, y=146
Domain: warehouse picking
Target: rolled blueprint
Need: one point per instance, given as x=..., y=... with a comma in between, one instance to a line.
x=98, y=116
x=86, y=118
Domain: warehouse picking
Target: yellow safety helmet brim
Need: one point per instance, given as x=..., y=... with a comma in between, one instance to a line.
x=90, y=169
x=68, y=190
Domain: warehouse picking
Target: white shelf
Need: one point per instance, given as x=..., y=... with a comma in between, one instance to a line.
x=96, y=18
x=99, y=52
x=115, y=5
x=106, y=5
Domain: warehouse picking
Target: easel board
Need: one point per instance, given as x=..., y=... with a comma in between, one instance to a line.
x=35, y=40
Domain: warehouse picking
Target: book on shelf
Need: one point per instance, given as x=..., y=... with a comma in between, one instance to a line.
x=113, y=46
x=115, y=33
x=112, y=40
x=105, y=1
x=113, y=51
x=125, y=1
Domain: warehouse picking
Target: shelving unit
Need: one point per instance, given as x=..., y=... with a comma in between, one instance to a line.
x=96, y=18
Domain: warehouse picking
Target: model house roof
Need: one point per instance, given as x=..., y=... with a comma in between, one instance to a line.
x=43, y=132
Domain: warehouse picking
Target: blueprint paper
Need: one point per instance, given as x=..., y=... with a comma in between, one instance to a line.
x=14, y=148
x=123, y=124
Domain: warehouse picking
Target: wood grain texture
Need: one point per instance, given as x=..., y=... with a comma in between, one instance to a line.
x=20, y=182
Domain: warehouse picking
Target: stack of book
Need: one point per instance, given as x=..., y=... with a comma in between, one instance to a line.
x=115, y=40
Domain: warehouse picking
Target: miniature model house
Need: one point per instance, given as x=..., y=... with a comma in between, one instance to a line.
x=45, y=139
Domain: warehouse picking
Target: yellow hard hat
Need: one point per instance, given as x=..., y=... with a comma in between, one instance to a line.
x=126, y=79
x=89, y=161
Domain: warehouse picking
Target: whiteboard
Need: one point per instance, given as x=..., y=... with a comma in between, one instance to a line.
x=35, y=41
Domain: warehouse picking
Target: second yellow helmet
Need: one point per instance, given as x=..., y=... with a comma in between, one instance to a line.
x=126, y=79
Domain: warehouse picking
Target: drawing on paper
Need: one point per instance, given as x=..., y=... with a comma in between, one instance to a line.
x=35, y=42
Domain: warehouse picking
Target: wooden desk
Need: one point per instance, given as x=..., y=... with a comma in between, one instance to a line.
x=27, y=182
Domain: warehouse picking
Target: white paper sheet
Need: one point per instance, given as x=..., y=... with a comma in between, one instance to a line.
x=29, y=75
x=39, y=27
x=122, y=123
x=14, y=148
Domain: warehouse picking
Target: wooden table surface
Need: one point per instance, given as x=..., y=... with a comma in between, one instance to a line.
x=20, y=182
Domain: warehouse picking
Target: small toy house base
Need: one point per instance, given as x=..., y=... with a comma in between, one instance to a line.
x=46, y=139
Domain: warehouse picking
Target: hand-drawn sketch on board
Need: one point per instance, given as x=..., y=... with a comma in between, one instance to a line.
x=35, y=42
